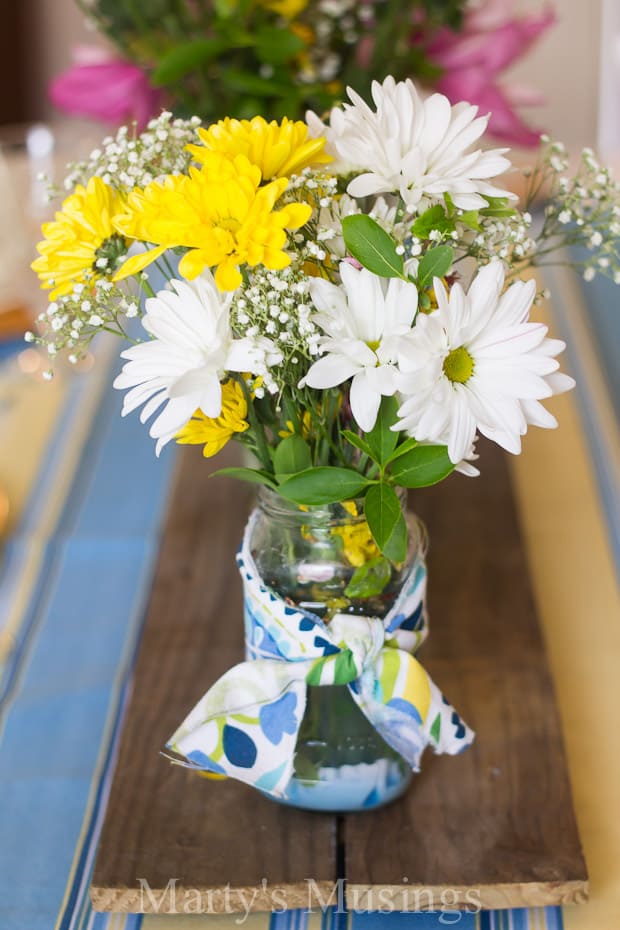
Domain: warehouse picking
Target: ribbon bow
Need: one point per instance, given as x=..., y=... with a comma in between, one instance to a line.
x=246, y=725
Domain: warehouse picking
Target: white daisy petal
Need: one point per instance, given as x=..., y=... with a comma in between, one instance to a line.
x=478, y=363
x=419, y=148
x=365, y=401
x=330, y=371
x=180, y=368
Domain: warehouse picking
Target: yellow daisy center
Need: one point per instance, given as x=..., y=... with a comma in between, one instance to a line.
x=229, y=223
x=458, y=365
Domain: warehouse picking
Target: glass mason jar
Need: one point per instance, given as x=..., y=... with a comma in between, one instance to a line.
x=310, y=557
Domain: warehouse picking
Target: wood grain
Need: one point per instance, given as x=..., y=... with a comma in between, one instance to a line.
x=493, y=827
x=499, y=818
x=164, y=822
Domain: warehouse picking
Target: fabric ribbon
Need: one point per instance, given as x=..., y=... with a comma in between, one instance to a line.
x=246, y=725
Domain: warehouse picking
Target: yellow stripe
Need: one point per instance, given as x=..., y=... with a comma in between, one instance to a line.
x=258, y=921
x=29, y=410
x=579, y=604
x=57, y=496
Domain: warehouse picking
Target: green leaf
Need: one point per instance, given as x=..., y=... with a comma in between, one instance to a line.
x=372, y=246
x=433, y=218
x=436, y=728
x=385, y=519
x=358, y=442
x=381, y=439
x=245, y=83
x=185, y=58
x=251, y=475
x=421, y=467
x=470, y=219
x=435, y=264
x=498, y=206
x=405, y=446
x=323, y=485
x=275, y=46
x=369, y=579
x=290, y=456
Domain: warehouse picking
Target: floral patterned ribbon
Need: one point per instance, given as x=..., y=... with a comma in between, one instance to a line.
x=246, y=725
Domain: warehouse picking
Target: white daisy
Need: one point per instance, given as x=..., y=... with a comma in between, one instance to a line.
x=477, y=363
x=414, y=146
x=189, y=354
x=364, y=320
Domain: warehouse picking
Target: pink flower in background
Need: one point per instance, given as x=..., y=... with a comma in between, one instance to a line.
x=491, y=40
x=105, y=88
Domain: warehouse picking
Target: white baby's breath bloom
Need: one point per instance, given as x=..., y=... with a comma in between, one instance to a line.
x=189, y=354
x=419, y=148
x=363, y=321
x=478, y=364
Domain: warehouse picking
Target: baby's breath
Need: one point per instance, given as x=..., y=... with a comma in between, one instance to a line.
x=129, y=159
x=277, y=304
x=72, y=321
x=582, y=213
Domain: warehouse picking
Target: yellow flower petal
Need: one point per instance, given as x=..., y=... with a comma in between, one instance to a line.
x=192, y=264
x=77, y=238
x=220, y=214
x=214, y=433
x=277, y=149
x=138, y=263
x=228, y=277
x=296, y=214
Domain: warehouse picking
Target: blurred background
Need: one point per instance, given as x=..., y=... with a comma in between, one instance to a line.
x=38, y=37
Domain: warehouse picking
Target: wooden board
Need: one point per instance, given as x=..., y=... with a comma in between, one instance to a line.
x=163, y=822
x=493, y=827
x=495, y=824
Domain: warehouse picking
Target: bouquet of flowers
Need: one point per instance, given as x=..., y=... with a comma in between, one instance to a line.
x=348, y=301
x=278, y=57
x=314, y=304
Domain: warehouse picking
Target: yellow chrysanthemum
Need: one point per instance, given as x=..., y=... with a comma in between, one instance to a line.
x=219, y=213
x=215, y=433
x=357, y=543
x=430, y=291
x=278, y=149
x=306, y=427
x=81, y=234
x=286, y=8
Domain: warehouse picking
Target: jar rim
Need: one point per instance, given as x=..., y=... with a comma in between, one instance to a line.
x=273, y=504
x=276, y=507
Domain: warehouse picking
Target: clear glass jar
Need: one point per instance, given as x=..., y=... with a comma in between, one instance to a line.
x=310, y=557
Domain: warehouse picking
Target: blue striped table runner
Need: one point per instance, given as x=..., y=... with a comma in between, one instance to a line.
x=64, y=685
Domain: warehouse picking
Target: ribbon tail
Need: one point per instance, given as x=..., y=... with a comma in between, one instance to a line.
x=404, y=705
x=246, y=725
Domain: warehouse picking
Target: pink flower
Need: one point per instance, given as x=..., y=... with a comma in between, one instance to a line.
x=490, y=41
x=105, y=88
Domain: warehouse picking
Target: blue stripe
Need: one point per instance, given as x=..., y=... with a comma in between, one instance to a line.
x=602, y=297
x=92, y=592
x=605, y=469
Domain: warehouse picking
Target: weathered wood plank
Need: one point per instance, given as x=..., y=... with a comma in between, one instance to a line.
x=498, y=820
x=217, y=838
x=493, y=827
